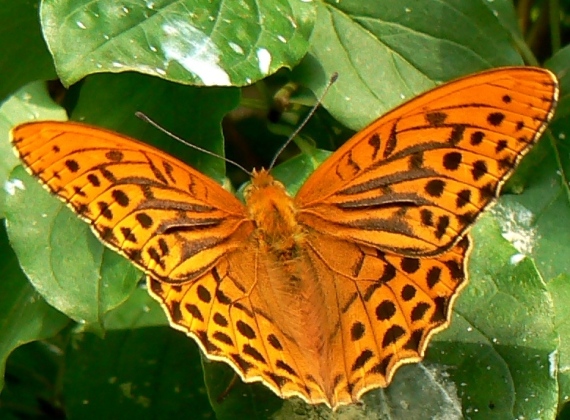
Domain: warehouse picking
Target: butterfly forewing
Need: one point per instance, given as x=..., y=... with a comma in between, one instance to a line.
x=415, y=179
x=170, y=220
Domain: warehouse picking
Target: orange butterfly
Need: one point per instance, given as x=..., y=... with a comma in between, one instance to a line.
x=324, y=295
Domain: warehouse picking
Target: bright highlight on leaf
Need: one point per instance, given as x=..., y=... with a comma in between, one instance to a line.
x=324, y=295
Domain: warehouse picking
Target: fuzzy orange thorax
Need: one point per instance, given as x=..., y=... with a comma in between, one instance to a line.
x=273, y=211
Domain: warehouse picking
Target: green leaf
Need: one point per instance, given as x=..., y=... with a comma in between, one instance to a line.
x=66, y=264
x=534, y=219
x=139, y=311
x=560, y=290
x=560, y=65
x=24, y=314
x=211, y=43
x=387, y=52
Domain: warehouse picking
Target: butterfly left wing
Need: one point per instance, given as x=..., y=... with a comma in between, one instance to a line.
x=414, y=180
x=171, y=221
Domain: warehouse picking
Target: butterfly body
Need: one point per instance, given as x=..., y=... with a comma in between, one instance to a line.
x=325, y=294
x=288, y=286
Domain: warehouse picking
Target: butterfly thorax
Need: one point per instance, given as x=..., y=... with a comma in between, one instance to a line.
x=274, y=213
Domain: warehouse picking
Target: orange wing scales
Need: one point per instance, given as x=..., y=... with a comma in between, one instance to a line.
x=170, y=220
x=322, y=296
x=368, y=335
x=422, y=173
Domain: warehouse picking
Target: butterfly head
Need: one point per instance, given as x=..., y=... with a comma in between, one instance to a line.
x=265, y=192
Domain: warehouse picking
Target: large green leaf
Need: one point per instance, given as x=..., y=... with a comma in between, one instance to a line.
x=66, y=264
x=560, y=65
x=24, y=314
x=211, y=43
x=387, y=52
x=192, y=113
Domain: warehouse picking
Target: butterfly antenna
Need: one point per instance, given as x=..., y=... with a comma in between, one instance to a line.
x=333, y=79
x=146, y=119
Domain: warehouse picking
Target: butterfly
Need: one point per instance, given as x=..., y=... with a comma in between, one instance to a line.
x=325, y=294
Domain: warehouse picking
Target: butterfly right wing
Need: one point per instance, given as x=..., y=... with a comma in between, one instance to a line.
x=416, y=179
x=173, y=222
